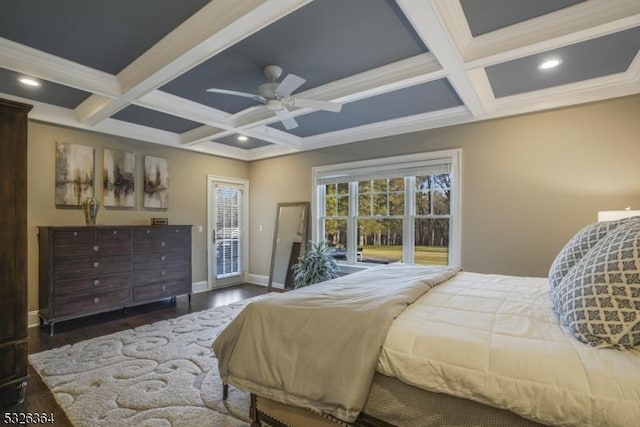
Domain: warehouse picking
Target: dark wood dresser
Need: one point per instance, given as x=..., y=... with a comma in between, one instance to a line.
x=13, y=251
x=92, y=269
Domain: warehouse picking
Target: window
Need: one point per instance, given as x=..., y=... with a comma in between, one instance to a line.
x=398, y=209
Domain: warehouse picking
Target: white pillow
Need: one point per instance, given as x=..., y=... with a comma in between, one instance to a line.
x=599, y=298
x=577, y=247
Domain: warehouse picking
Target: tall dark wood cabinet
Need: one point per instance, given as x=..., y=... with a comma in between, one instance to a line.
x=13, y=251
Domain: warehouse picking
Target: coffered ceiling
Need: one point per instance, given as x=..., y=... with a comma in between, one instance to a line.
x=140, y=68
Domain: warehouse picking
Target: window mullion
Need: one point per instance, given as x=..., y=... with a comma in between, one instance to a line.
x=352, y=223
x=322, y=213
x=408, y=233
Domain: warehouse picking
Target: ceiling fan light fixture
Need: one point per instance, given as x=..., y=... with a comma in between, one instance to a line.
x=29, y=81
x=549, y=64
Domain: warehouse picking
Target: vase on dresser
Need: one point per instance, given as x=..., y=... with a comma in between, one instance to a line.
x=90, y=207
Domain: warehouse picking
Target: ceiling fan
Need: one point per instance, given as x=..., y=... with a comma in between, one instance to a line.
x=277, y=96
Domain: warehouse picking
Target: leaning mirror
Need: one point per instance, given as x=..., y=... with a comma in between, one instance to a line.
x=289, y=238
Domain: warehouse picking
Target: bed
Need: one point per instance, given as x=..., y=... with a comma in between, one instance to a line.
x=459, y=349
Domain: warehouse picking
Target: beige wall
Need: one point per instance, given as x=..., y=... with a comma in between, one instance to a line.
x=529, y=182
x=187, y=181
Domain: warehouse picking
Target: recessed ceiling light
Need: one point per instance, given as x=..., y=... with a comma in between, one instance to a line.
x=28, y=81
x=549, y=64
x=242, y=138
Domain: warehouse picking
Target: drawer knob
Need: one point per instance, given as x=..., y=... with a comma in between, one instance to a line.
x=96, y=248
x=162, y=244
x=164, y=288
x=148, y=231
x=75, y=233
x=115, y=231
x=96, y=264
x=162, y=258
x=96, y=282
x=96, y=300
x=164, y=273
x=177, y=231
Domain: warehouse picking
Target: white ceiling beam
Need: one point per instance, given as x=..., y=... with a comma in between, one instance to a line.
x=48, y=113
x=200, y=134
x=274, y=136
x=429, y=23
x=32, y=62
x=418, y=122
x=577, y=23
x=215, y=27
x=171, y=104
x=269, y=151
x=222, y=150
x=387, y=78
x=597, y=89
x=634, y=70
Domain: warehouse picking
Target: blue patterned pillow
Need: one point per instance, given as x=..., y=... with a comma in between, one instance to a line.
x=599, y=298
x=577, y=247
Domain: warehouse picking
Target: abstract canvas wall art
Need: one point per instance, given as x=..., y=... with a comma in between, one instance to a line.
x=118, y=179
x=156, y=182
x=74, y=174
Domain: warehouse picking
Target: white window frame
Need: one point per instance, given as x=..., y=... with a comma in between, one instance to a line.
x=380, y=165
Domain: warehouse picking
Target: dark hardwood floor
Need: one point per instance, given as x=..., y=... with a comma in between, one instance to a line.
x=40, y=399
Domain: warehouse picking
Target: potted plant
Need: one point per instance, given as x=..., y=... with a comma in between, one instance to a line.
x=316, y=265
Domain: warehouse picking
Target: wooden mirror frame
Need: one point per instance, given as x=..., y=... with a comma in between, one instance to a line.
x=299, y=228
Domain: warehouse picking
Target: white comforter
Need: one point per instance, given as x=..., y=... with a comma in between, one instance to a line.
x=495, y=340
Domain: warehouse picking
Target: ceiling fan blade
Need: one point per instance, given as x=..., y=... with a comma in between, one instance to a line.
x=317, y=105
x=288, y=85
x=286, y=118
x=236, y=93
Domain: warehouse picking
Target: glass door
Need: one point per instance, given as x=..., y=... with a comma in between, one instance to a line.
x=227, y=248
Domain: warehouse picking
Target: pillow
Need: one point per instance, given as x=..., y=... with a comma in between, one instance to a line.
x=577, y=247
x=599, y=299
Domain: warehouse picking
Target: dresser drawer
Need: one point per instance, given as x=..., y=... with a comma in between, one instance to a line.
x=162, y=232
x=97, y=248
x=153, y=261
x=178, y=233
x=145, y=277
x=113, y=234
x=74, y=236
x=100, y=301
x=160, y=290
x=148, y=233
x=69, y=268
x=159, y=245
x=91, y=284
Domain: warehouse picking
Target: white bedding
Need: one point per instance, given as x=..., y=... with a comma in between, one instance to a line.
x=495, y=340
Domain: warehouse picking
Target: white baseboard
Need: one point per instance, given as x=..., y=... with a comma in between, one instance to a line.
x=258, y=279
x=198, y=287
x=32, y=319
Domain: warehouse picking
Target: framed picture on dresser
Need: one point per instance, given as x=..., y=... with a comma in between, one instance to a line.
x=74, y=174
x=119, y=179
x=156, y=182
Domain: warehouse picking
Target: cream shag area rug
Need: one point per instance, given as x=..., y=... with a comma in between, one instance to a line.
x=162, y=374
